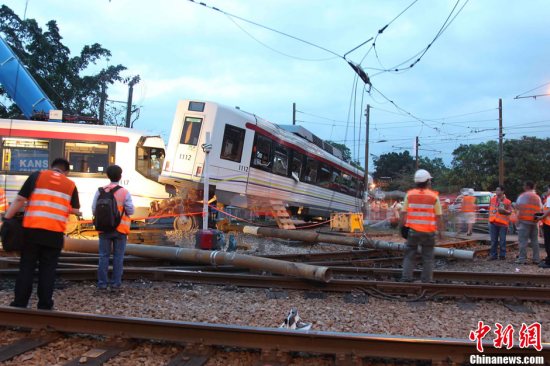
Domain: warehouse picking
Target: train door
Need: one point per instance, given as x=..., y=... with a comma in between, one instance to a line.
x=188, y=145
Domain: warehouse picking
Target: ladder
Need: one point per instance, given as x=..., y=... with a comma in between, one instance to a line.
x=282, y=218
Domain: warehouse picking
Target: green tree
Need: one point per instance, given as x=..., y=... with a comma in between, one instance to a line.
x=346, y=154
x=476, y=165
x=58, y=73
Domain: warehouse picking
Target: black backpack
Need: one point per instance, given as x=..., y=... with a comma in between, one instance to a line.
x=106, y=214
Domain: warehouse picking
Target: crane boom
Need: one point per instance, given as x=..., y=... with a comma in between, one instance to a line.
x=20, y=85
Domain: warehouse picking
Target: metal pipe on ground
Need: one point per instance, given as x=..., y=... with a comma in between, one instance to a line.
x=301, y=270
x=315, y=237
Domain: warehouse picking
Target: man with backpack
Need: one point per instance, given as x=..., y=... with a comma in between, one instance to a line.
x=112, y=206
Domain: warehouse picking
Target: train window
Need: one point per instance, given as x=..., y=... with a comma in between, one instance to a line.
x=261, y=154
x=196, y=106
x=296, y=166
x=191, y=131
x=280, y=160
x=310, y=172
x=232, y=144
x=24, y=155
x=325, y=175
x=87, y=157
x=149, y=161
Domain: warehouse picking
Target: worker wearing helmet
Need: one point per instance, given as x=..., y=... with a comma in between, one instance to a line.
x=421, y=214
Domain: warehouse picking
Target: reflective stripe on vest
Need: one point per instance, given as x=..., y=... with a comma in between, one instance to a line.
x=50, y=202
x=3, y=204
x=494, y=216
x=421, y=210
x=528, y=205
x=469, y=204
x=125, y=221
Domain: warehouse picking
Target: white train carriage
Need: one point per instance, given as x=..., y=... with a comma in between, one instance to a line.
x=254, y=161
x=27, y=146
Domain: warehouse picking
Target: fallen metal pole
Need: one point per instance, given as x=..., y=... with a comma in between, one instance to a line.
x=301, y=270
x=315, y=237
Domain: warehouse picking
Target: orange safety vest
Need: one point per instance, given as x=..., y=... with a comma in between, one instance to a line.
x=494, y=216
x=546, y=220
x=120, y=196
x=528, y=205
x=3, y=204
x=469, y=204
x=421, y=210
x=50, y=202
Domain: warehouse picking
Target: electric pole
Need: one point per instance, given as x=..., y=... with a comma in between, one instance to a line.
x=131, y=84
x=102, y=104
x=500, y=145
x=367, y=119
x=416, y=150
x=293, y=113
x=366, y=178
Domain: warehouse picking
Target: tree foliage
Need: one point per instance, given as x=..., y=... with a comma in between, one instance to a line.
x=64, y=78
x=476, y=166
x=346, y=154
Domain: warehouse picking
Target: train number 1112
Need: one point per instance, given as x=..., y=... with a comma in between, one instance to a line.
x=185, y=156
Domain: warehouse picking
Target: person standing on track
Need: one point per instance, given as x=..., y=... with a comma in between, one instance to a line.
x=469, y=210
x=528, y=204
x=116, y=238
x=422, y=215
x=50, y=197
x=500, y=209
x=545, y=218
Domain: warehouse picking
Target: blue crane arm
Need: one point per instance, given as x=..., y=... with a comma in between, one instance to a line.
x=20, y=85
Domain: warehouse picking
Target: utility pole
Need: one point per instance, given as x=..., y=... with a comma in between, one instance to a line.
x=416, y=149
x=366, y=178
x=131, y=84
x=293, y=113
x=102, y=104
x=367, y=119
x=500, y=145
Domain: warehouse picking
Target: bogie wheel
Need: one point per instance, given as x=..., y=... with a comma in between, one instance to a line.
x=185, y=223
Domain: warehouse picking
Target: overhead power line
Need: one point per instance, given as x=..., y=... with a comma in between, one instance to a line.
x=419, y=55
x=520, y=96
x=266, y=27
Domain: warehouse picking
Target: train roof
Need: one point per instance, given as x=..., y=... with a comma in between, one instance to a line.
x=299, y=136
x=25, y=128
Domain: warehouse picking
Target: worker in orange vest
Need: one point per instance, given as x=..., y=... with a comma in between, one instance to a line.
x=421, y=214
x=500, y=209
x=3, y=203
x=469, y=210
x=545, y=218
x=528, y=204
x=49, y=197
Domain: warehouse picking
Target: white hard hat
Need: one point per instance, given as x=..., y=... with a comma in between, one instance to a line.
x=422, y=176
x=447, y=201
x=471, y=191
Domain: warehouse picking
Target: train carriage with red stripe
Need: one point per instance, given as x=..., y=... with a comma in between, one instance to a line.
x=27, y=146
x=254, y=161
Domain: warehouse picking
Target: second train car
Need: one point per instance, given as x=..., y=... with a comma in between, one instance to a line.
x=254, y=161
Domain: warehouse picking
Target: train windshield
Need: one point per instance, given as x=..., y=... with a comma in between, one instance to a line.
x=191, y=131
x=150, y=157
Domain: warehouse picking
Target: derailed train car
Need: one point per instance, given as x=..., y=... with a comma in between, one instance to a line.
x=254, y=161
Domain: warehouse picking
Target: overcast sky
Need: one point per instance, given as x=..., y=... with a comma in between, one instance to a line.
x=181, y=50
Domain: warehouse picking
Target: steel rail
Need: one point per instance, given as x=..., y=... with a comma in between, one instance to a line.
x=419, y=290
x=495, y=277
x=320, y=342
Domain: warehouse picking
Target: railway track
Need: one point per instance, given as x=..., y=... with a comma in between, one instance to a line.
x=275, y=344
x=388, y=289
